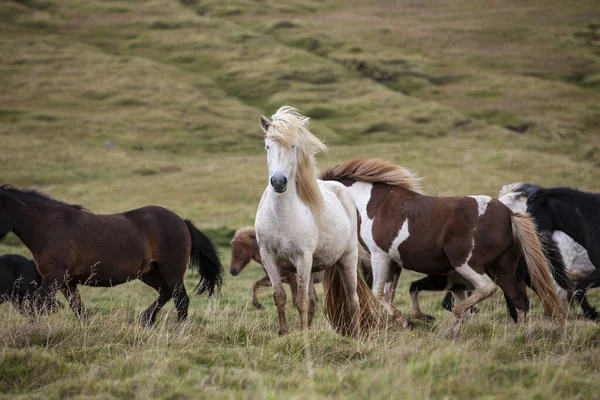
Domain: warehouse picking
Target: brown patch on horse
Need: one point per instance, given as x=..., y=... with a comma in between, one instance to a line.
x=374, y=171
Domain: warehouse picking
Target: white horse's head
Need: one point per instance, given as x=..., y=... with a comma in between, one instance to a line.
x=291, y=150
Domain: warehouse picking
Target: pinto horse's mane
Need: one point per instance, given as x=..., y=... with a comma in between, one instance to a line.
x=375, y=171
x=14, y=192
x=290, y=129
x=244, y=235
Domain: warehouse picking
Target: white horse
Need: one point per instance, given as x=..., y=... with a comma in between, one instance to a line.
x=305, y=225
x=575, y=257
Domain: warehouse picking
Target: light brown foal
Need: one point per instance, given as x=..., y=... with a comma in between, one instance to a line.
x=244, y=248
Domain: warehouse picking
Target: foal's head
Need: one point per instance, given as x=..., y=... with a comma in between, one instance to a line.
x=243, y=247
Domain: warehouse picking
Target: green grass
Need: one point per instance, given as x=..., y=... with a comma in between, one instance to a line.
x=120, y=104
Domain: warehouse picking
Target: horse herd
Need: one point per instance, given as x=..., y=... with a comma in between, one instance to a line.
x=352, y=227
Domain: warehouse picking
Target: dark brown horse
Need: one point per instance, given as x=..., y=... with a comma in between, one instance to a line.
x=244, y=248
x=74, y=246
x=476, y=236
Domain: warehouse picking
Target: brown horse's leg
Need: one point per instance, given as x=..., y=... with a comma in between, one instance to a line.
x=182, y=302
x=262, y=282
x=155, y=280
x=51, y=283
x=71, y=293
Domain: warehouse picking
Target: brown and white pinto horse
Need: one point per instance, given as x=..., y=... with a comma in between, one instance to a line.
x=244, y=248
x=475, y=236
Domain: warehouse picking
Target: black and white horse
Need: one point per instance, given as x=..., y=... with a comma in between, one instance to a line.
x=577, y=214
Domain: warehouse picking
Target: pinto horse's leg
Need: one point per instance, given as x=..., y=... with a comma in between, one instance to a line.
x=484, y=287
x=262, y=282
x=155, y=279
x=381, y=271
x=304, y=279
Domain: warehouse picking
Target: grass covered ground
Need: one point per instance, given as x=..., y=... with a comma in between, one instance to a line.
x=119, y=104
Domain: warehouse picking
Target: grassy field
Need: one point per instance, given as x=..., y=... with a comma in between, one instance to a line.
x=117, y=104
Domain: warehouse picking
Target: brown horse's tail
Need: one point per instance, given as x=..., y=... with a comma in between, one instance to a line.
x=527, y=239
x=204, y=257
x=336, y=302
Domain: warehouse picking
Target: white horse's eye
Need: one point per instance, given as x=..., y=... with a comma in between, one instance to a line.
x=267, y=147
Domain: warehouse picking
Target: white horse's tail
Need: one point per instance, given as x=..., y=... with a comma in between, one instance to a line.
x=336, y=301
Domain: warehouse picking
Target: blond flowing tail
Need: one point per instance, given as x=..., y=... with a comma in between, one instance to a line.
x=528, y=241
x=336, y=301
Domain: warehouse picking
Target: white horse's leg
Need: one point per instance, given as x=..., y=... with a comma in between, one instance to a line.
x=381, y=271
x=279, y=296
x=347, y=267
x=304, y=279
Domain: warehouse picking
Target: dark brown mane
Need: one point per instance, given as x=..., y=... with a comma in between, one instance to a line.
x=10, y=191
x=375, y=171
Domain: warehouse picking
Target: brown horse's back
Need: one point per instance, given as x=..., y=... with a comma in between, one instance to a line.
x=105, y=250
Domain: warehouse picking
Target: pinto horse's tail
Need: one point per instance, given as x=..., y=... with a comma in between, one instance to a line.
x=336, y=301
x=204, y=258
x=527, y=239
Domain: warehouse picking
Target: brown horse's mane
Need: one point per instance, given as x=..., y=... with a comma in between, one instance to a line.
x=244, y=235
x=375, y=171
x=11, y=191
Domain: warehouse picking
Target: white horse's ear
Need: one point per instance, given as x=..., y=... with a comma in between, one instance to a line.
x=264, y=123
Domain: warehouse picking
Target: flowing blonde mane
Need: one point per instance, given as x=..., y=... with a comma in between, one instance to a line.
x=511, y=188
x=244, y=235
x=290, y=129
x=375, y=171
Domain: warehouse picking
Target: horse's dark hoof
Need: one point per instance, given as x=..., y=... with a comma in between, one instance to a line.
x=474, y=310
x=592, y=315
x=282, y=331
x=429, y=319
x=257, y=305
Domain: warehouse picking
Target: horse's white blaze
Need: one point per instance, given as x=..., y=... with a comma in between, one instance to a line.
x=482, y=203
x=402, y=236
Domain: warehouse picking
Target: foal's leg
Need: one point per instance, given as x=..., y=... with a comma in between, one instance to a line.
x=262, y=282
x=381, y=272
x=155, y=280
x=304, y=279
